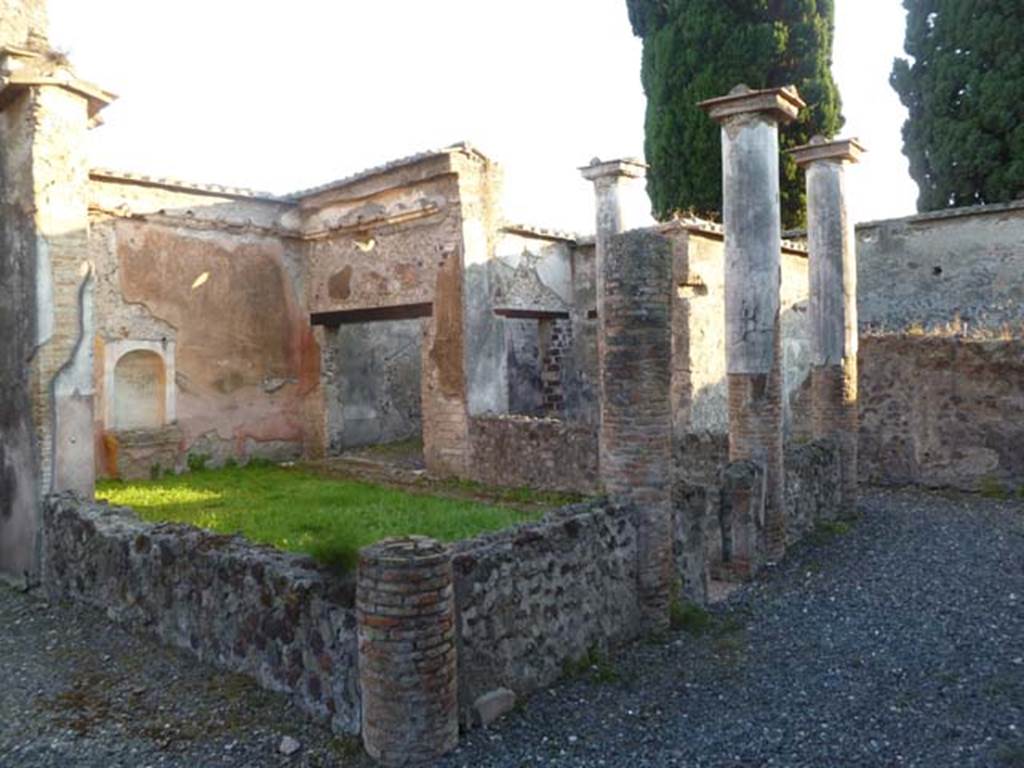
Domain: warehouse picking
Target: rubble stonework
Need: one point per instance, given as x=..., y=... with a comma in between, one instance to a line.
x=518, y=452
x=942, y=411
x=276, y=617
x=535, y=597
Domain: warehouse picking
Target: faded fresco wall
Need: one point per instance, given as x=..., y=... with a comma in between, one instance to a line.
x=389, y=245
x=212, y=282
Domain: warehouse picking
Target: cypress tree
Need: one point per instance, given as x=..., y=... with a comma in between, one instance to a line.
x=965, y=95
x=698, y=49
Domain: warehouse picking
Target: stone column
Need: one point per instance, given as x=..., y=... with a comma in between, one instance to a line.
x=636, y=414
x=405, y=609
x=753, y=241
x=833, y=302
x=46, y=325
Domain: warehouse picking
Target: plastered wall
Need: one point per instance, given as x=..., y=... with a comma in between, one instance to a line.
x=211, y=284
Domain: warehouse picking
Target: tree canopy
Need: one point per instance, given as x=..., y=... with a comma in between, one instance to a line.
x=964, y=90
x=698, y=49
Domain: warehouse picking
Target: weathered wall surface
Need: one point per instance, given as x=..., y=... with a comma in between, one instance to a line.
x=942, y=411
x=217, y=278
x=47, y=321
x=813, y=491
x=928, y=270
x=371, y=375
x=273, y=616
x=381, y=243
x=23, y=22
x=518, y=451
x=395, y=243
x=19, y=461
x=534, y=597
x=698, y=337
x=706, y=528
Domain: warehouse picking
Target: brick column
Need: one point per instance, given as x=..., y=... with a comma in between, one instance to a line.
x=609, y=178
x=833, y=303
x=46, y=322
x=405, y=608
x=753, y=237
x=636, y=414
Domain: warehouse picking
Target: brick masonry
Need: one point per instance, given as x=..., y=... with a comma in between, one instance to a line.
x=518, y=451
x=636, y=411
x=834, y=415
x=407, y=670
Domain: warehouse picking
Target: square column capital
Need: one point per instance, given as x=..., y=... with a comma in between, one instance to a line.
x=21, y=69
x=629, y=168
x=821, y=149
x=779, y=104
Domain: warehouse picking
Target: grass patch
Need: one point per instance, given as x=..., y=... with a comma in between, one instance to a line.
x=297, y=511
x=593, y=664
x=689, y=617
x=507, y=495
x=991, y=488
x=828, y=530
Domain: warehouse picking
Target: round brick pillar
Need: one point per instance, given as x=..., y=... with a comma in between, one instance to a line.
x=407, y=659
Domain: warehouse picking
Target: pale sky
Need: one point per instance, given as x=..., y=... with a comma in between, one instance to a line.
x=281, y=96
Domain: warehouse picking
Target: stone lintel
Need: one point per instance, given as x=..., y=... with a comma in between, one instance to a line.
x=838, y=150
x=21, y=69
x=780, y=104
x=630, y=168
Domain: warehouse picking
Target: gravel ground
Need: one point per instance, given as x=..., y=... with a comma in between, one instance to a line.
x=77, y=691
x=897, y=643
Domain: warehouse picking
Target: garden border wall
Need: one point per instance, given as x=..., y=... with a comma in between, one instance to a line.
x=278, y=617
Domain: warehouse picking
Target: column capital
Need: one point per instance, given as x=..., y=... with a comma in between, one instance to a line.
x=628, y=167
x=21, y=68
x=780, y=104
x=821, y=149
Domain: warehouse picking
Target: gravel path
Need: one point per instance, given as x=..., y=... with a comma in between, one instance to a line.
x=898, y=643
x=77, y=691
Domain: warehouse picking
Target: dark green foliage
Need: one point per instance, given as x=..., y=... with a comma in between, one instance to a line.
x=699, y=49
x=965, y=94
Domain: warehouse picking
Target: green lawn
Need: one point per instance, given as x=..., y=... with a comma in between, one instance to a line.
x=296, y=511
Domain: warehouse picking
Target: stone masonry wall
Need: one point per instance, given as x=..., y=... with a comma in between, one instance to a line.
x=931, y=269
x=812, y=494
x=942, y=411
x=534, y=597
x=274, y=616
x=546, y=454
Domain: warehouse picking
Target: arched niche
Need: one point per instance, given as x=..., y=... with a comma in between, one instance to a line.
x=139, y=385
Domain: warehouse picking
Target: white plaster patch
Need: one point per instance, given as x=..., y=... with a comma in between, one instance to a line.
x=44, y=293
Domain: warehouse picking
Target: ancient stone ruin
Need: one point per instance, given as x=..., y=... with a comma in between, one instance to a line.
x=718, y=389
